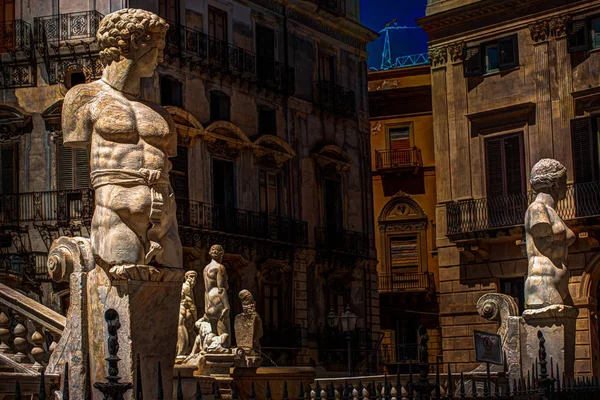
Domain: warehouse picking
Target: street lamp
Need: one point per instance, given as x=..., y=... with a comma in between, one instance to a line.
x=332, y=319
x=348, y=322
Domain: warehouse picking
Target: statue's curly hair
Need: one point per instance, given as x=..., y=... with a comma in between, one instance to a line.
x=126, y=28
x=546, y=173
x=216, y=251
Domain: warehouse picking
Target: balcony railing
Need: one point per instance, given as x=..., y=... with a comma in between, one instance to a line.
x=241, y=222
x=71, y=26
x=32, y=265
x=470, y=216
x=398, y=158
x=341, y=240
x=408, y=282
x=335, y=99
x=337, y=7
x=15, y=36
x=201, y=50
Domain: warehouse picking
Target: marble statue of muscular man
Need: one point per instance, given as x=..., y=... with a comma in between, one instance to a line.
x=130, y=141
x=216, y=302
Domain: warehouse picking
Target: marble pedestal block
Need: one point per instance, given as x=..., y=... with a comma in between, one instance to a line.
x=148, y=313
x=557, y=324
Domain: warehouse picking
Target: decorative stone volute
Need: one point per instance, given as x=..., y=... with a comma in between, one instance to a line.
x=438, y=56
x=456, y=51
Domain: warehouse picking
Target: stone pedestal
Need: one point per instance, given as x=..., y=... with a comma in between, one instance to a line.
x=148, y=312
x=276, y=376
x=557, y=324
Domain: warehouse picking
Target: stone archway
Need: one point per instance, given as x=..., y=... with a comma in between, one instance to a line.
x=586, y=297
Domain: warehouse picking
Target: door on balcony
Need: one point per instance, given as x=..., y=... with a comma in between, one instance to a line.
x=399, y=147
x=217, y=32
x=8, y=183
x=584, y=144
x=334, y=214
x=325, y=89
x=169, y=10
x=505, y=180
x=405, y=340
x=224, y=213
x=179, y=182
x=265, y=53
x=268, y=183
x=73, y=179
x=8, y=33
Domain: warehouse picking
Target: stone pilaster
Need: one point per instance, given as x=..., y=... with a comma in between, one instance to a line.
x=539, y=145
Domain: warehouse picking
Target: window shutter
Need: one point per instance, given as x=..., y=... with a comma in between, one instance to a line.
x=508, y=49
x=65, y=167
x=578, y=33
x=584, y=146
x=8, y=179
x=404, y=254
x=472, y=61
x=513, y=167
x=494, y=170
x=81, y=172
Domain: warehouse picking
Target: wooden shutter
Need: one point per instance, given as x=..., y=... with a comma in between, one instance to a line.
x=508, y=52
x=8, y=178
x=513, y=165
x=472, y=63
x=400, y=138
x=179, y=173
x=404, y=254
x=81, y=173
x=584, y=145
x=578, y=36
x=65, y=167
x=494, y=170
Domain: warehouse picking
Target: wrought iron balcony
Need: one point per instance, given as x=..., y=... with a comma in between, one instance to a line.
x=200, y=50
x=386, y=160
x=80, y=25
x=408, y=282
x=337, y=7
x=15, y=36
x=235, y=221
x=52, y=206
x=468, y=218
x=31, y=265
x=341, y=240
x=335, y=99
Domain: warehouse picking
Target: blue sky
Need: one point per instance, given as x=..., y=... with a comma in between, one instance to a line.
x=376, y=13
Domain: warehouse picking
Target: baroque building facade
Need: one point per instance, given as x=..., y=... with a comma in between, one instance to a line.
x=270, y=102
x=404, y=199
x=513, y=82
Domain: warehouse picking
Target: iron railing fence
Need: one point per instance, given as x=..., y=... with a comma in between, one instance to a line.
x=69, y=26
x=416, y=281
x=15, y=35
x=31, y=264
x=341, y=240
x=582, y=200
x=18, y=75
x=335, y=99
x=219, y=218
x=398, y=158
x=200, y=49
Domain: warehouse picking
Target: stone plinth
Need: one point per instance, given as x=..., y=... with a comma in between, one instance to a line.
x=276, y=376
x=557, y=324
x=148, y=312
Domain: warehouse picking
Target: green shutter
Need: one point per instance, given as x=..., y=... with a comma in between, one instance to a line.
x=64, y=164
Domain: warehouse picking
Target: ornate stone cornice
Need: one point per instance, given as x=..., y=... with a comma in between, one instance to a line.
x=222, y=148
x=456, y=51
x=438, y=56
x=547, y=28
x=401, y=226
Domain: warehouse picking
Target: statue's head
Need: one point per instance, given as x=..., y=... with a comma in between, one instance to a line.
x=134, y=34
x=190, y=277
x=216, y=252
x=549, y=176
x=248, y=303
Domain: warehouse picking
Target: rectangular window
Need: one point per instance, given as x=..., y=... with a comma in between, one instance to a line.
x=219, y=106
x=179, y=173
x=399, y=138
x=404, y=254
x=498, y=55
x=326, y=68
x=491, y=58
x=169, y=10
x=595, y=33
x=265, y=52
x=217, y=24
x=8, y=169
x=73, y=168
x=272, y=306
x=514, y=287
x=336, y=300
x=223, y=183
x=269, y=192
x=267, y=121
x=504, y=165
x=332, y=197
x=170, y=92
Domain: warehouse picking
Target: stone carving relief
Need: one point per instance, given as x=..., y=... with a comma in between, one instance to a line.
x=188, y=314
x=438, y=56
x=547, y=238
x=456, y=51
x=131, y=140
x=547, y=28
x=249, y=330
x=376, y=127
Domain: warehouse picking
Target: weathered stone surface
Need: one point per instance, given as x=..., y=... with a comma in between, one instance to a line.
x=188, y=314
x=248, y=331
x=244, y=377
x=547, y=238
x=216, y=302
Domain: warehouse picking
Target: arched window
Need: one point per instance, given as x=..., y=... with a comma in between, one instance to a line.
x=220, y=106
x=170, y=91
x=74, y=78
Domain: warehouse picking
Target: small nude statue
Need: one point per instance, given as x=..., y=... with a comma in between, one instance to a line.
x=216, y=302
x=248, y=325
x=187, y=315
x=547, y=238
x=207, y=341
x=130, y=141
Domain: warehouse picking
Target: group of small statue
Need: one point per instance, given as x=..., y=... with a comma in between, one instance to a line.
x=212, y=331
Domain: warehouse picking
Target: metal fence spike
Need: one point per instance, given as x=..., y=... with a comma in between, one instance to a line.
x=18, y=391
x=301, y=392
x=268, y=391
x=198, y=391
x=139, y=392
x=252, y=392
x=216, y=391
x=463, y=393
x=284, y=396
x=42, y=390
x=65, y=393
x=473, y=388
x=159, y=390
x=179, y=388
x=234, y=392
x=450, y=381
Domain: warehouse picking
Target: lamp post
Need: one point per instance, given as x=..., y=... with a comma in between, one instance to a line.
x=348, y=322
